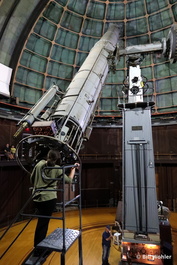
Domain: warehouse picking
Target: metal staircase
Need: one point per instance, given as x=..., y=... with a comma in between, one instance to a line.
x=61, y=239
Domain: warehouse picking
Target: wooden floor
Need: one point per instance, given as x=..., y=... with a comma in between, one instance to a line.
x=93, y=223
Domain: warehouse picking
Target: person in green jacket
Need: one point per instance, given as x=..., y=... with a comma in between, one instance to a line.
x=45, y=200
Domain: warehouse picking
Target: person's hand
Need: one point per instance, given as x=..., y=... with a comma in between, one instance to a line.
x=77, y=165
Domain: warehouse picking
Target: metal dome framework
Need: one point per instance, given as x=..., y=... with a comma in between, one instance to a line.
x=65, y=32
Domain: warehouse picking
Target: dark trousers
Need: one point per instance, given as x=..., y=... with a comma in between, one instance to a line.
x=105, y=255
x=44, y=208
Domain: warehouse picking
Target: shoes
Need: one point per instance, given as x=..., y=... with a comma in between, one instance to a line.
x=38, y=252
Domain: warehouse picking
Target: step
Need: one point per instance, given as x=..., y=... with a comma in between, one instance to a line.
x=54, y=241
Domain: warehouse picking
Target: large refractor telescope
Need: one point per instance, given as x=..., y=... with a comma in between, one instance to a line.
x=68, y=123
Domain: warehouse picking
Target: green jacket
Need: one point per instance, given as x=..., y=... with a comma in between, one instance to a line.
x=44, y=180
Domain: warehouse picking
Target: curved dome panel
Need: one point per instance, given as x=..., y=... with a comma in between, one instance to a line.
x=65, y=32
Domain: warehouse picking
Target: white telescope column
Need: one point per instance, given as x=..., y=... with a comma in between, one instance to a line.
x=82, y=95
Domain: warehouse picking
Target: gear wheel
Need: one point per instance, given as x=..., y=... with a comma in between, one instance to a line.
x=171, y=44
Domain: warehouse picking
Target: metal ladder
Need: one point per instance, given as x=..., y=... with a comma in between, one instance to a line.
x=61, y=239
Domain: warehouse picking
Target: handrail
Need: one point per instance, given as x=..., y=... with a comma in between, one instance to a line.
x=41, y=216
x=157, y=156
x=77, y=197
